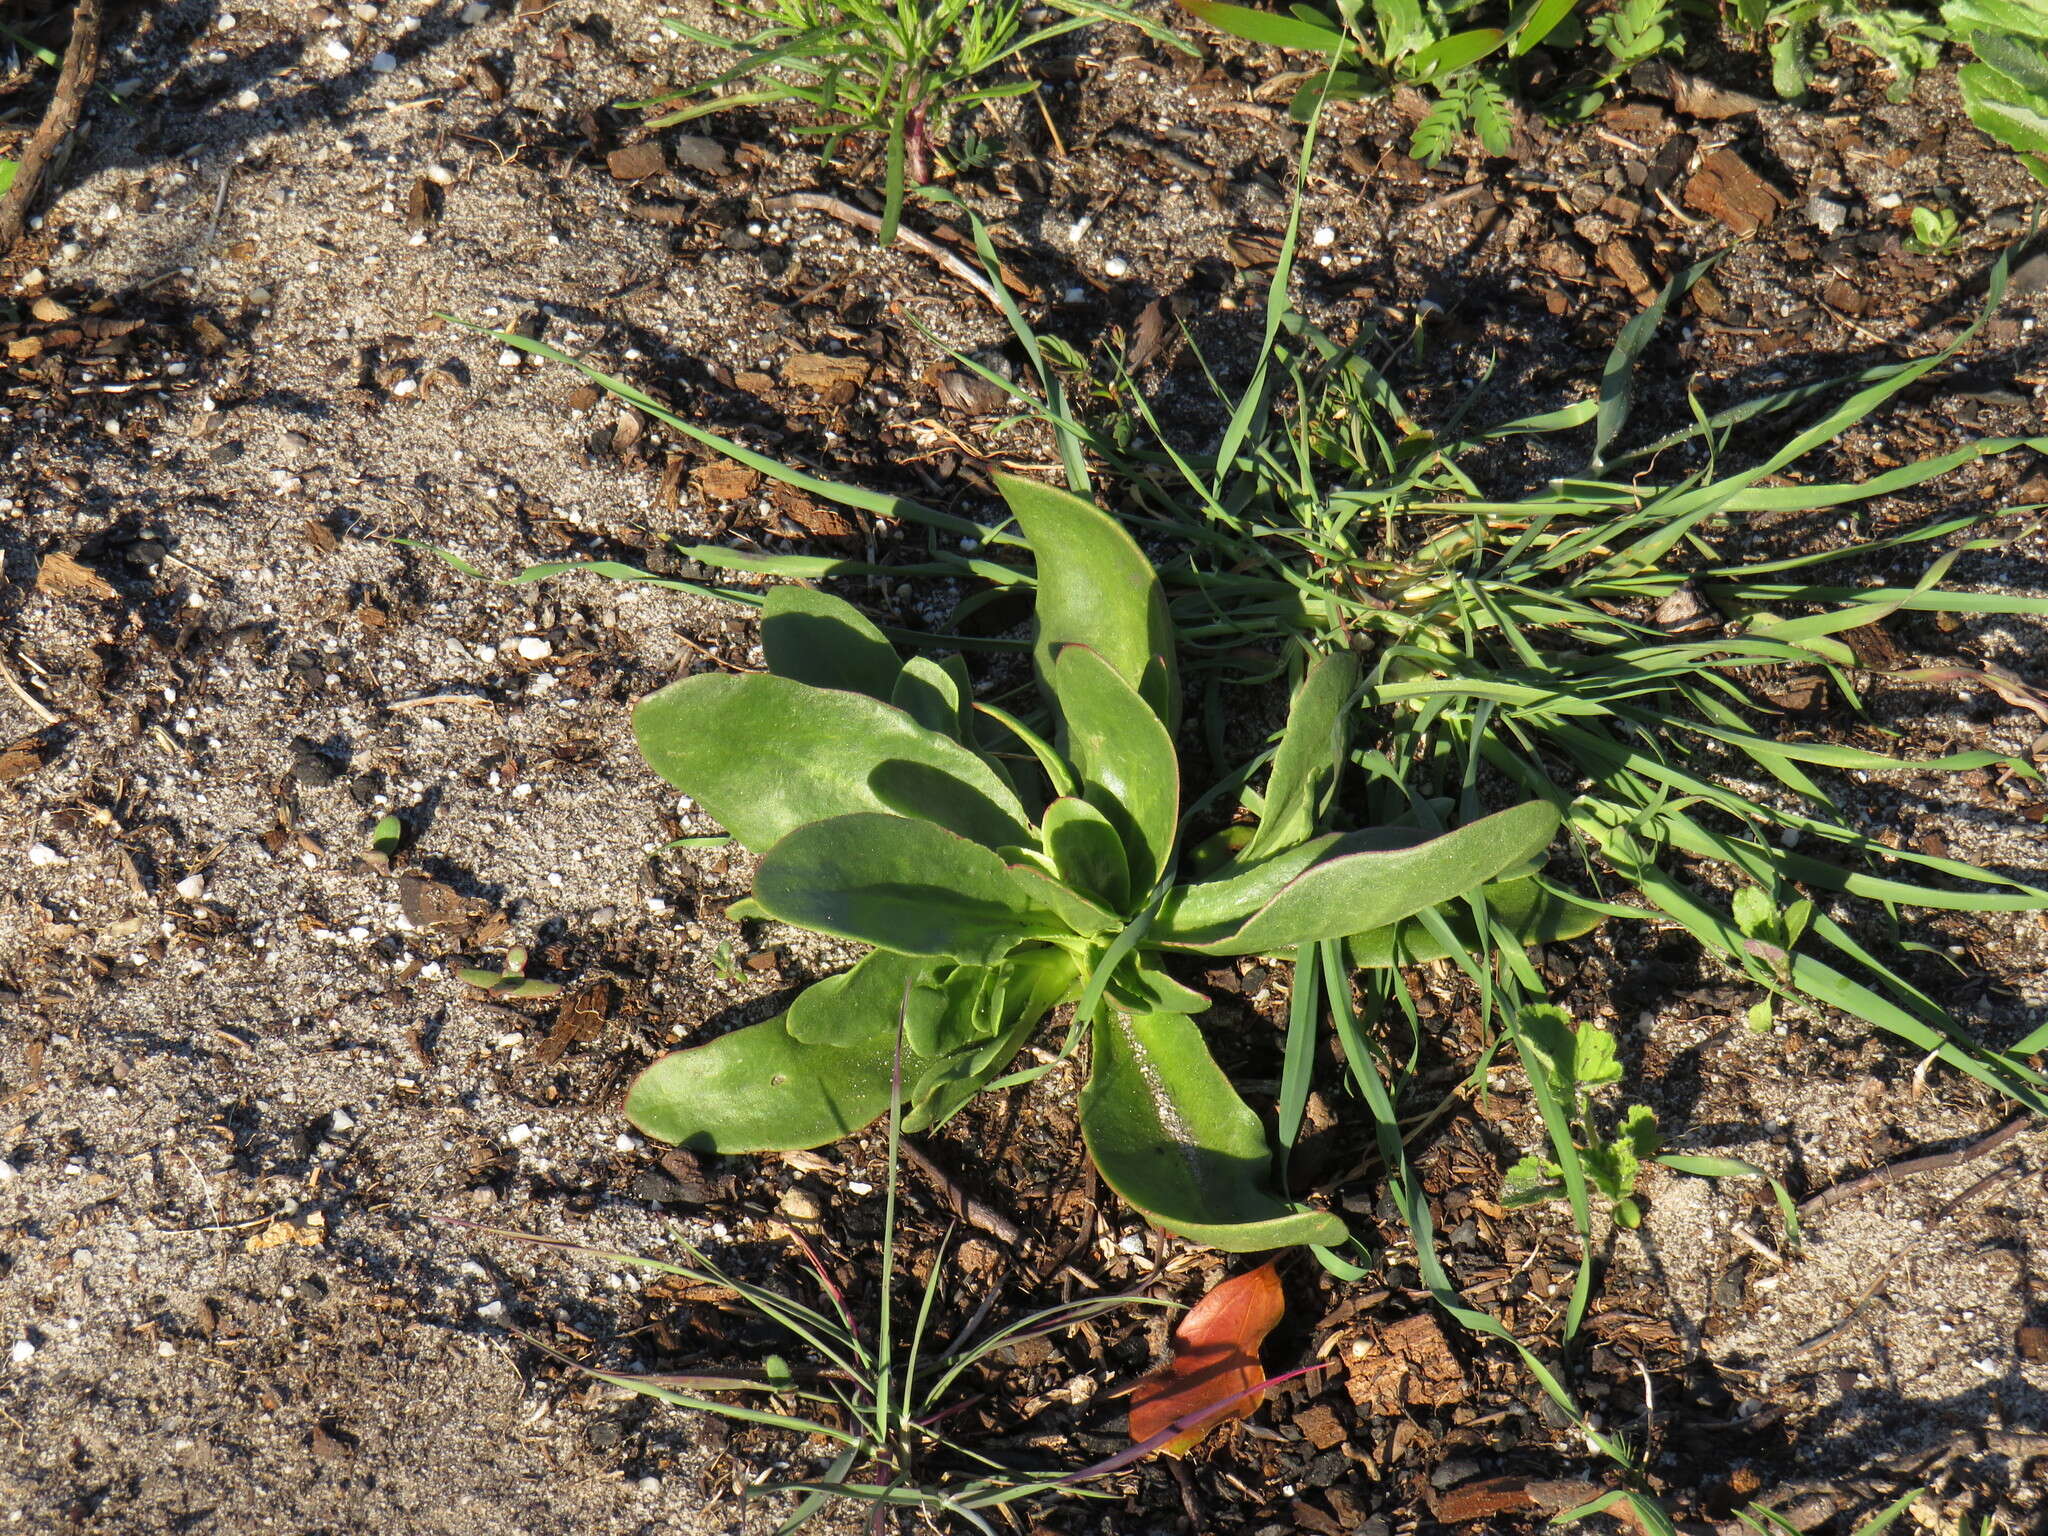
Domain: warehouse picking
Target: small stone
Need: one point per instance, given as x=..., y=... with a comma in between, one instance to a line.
x=335, y=49
x=191, y=888
x=441, y=175
x=7, y=1171
x=44, y=855
x=533, y=648
x=491, y=1310
x=799, y=1204
x=341, y=1120
x=650, y=1485
x=1324, y=235
x=22, y=1353
x=225, y=22
x=520, y=1134
x=384, y=63
x=1827, y=214
x=1116, y=266
x=509, y=357
x=475, y=13
x=224, y=453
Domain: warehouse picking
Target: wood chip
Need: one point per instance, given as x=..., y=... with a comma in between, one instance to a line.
x=1695, y=97
x=637, y=162
x=814, y=517
x=822, y=370
x=1487, y=1497
x=21, y=758
x=1623, y=259
x=580, y=1017
x=1408, y=1365
x=433, y=907
x=1725, y=188
x=61, y=575
x=421, y=207
x=725, y=481
x=1252, y=250
x=1322, y=1426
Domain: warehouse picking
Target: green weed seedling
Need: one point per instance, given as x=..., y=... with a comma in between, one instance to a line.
x=1769, y=935
x=510, y=979
x=1003, y=868
x=904, y=70
x=1576, y=1060
x=1468, y=71
x=1798, y=35
x=1935, y=231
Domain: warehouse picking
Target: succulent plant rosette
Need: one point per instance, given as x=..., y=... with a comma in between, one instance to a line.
x=1009, y=867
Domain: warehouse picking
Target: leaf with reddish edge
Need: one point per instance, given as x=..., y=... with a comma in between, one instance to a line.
x=1215, y=1373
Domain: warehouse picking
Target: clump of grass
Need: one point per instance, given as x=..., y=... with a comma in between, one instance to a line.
x=1598, y=642
x=882, y=1400
x=904, y=70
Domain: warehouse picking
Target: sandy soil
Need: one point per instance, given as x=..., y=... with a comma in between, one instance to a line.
x=240, y=1091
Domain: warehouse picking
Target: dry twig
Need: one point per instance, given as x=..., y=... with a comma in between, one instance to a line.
x=67, y=104
x=860, y=218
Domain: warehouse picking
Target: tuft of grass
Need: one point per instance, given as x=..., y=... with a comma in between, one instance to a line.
x=880, y=1398
x=1599, y=642
x=904, y=70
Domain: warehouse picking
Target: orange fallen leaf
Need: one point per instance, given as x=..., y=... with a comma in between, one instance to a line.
x=1215, y=1375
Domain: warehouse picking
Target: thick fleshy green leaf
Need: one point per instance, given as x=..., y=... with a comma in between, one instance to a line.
x=1083, y=916
x=1036, y=981
x=930, y=694
x=1138, y=987
x=857, y=1004
x=1124, y=757
x=900, y=884
x=1086, y=851
x=1235, y=890
x=1095, y=588
x=1170, y=1135
x=1356, y=892
x=1310, y=755
x=1275, y=29
x=1523, y=907
x=951, y=1016
x=765, y=755
x=2010, y=114
x=757, y=1090
x=816, y=638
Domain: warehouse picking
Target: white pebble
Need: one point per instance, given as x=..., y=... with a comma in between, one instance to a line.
x=1324, y=235
x=43, y=853
x=191, y=888
x=225, y=22
x=7, y=1171
x=341, y=1120
x=473, y=13
x=509, y=357
x=384, y=63
x=335, y=49
x=441, y=175
x=491, y=1309
x=1116, y=266
x=1133, y=1242
x=520, y=1134
x=624, y=1143
x=533, y=648
x=22, y=1353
